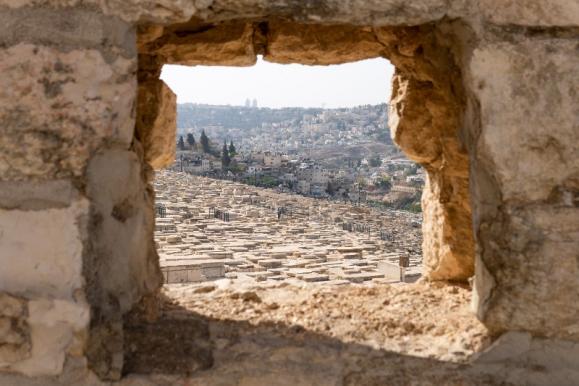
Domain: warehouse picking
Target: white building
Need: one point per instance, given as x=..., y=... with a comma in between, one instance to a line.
x=288, y=177
x=304, y=186
x=272, y=160
x=320, y=176
x=254, y=169
x=205, y=165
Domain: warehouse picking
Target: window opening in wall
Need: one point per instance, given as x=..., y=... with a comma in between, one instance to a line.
x=287, y=173
x=289, y=211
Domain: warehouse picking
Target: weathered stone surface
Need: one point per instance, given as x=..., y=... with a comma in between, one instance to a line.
x=425, y=121
x=154, y=11
x=68, y=29
x=539, y=13
x=122, y=237
x=36, y=335
x=357, y=12
x=319, y=45
x=68, y=91
x=148, y=33
x=143, y=337
x=57, y=328
x=14, y=331
x=36, y=195
x=121, y=265
x=156, y=124
x=228, y=44
x=511, y=346
x=526, y=184
x=360, y=12
x=540, y=80
x=521, y=348
x=42, y=251
x=58, y=107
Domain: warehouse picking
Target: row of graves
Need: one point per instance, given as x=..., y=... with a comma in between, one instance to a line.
x=211, y=229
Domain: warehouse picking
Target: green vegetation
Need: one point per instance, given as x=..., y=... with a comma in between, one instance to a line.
x=191, y=140
x=408, y=203
x=205, y=146
x=225, y=158
x=384, y=183
x=262, y=181
x=232, y=149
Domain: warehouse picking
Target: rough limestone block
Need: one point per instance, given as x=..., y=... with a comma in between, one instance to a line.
x=37, y=195
x=41, y=251
x=124, y=258
x=122, y=264
x=525, y=176
x=58, y=107
x=520, y=349
x=156, y=11
x=447, y=239
x=358, y=12
x=511, y=346
x=424, y=121
x=57, y=328
x=67, y=28
x=540, y=13
x=157, y=122
x=229, y=44
x=14, y=331
x=319, y=45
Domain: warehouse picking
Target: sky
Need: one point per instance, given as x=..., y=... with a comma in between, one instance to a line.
x=283, y=85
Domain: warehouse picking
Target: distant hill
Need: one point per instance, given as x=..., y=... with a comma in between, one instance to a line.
x=191, y=115
x=334, y=133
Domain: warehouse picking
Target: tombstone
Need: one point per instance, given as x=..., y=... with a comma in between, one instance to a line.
x=161, y=210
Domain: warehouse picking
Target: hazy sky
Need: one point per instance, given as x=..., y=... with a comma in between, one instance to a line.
x=283, y=85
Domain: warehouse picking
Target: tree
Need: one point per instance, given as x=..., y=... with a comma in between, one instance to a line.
x=191, y=140
x=225, y=159
x=205, y=142
x=232, y=149
x=330, y=188
x=181, y=143
x=384, y=183
x=361, y=181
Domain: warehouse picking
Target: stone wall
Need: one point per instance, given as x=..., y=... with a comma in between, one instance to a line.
x=76, y=210
x=484, y=96
x=525, y=147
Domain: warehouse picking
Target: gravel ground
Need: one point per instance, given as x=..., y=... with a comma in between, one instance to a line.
x=247, y=333
x=422, y=319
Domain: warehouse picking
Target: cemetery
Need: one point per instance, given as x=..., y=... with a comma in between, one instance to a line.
x=215, y=229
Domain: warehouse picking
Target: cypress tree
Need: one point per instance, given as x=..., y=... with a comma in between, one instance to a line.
x=225, y=159
x=205, y=143
x=191, y=140
x=232, y=149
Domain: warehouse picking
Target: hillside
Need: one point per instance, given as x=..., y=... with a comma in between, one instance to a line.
x=321, y=133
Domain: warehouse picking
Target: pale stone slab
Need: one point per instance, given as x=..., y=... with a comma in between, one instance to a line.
x=41, y=251
x=552, y=13
x=57, y=327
